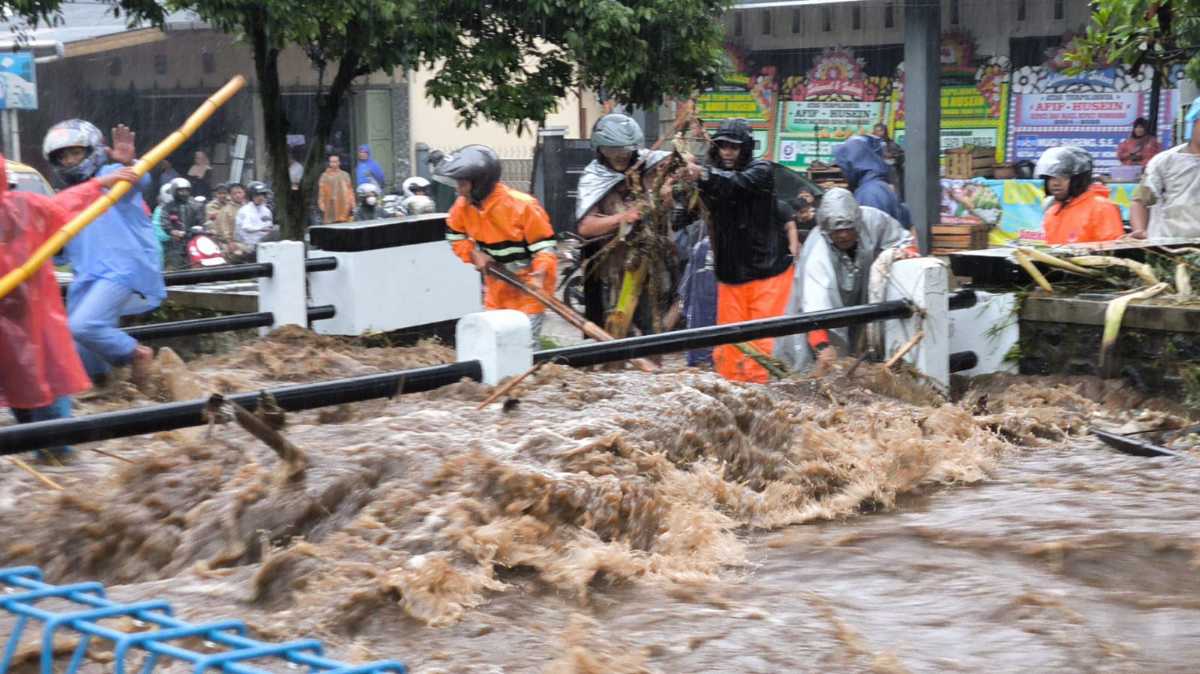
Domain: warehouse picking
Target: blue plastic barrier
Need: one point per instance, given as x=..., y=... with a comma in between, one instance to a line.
x=24, y=588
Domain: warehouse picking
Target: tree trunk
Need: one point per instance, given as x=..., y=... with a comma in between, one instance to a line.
x=329, y=104
x=1156, y=85
x=275, y=124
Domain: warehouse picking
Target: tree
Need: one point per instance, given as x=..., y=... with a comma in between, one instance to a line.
x=1155, y=33
x=510, y=62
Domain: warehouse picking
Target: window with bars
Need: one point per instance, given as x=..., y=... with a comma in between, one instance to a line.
x=737, y=23
x=856, y=18
x=827, y=19
x=795, y=21
x=1059, y=10
x=955, y=12
x=889, y=15
x=766, y=22
x=1021, y=10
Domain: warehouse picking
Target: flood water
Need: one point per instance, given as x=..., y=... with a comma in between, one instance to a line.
x=623, y=522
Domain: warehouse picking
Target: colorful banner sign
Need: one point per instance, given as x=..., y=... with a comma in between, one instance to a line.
x=18, y=82
x=1013, y=208
x=1095, y=121
x=753, y=98
x=809, y=130
x=727, y=102
x=969, y=117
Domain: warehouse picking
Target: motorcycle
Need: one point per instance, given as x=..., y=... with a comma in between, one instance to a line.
x=203, y=250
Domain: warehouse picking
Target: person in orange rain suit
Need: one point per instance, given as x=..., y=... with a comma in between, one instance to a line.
x=751, y=258
x=491, y=223
x=41, y=368
x=1081, y=211
x=335, y=193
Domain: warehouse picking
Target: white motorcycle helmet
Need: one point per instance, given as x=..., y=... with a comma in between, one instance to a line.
x=415, y=181
x=166, y=195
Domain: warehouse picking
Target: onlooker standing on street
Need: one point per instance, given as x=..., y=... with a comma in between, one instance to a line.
x=368, y=170
x=1165, y=204
x=200, y=175
x=255, y=222
x=220, y=216
x=1140, y=147
x=335, y=193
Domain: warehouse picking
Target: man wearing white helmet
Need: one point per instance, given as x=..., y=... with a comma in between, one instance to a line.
x=1167, y=202
x=179, y=215
x=417, y=200
x=116, y=260
x=832, y=272
x=368, y=207
x=1081, y=211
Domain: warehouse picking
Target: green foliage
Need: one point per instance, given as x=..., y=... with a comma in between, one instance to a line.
x=1159, y=33
x=511, y=62
x=25, y=14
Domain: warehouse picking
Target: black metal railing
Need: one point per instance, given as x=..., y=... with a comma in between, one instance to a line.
x=153, y=419
x=204, y=326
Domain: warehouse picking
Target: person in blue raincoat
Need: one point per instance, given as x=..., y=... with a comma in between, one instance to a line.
x=368, y=170
x=116, y=259
x=861, y=160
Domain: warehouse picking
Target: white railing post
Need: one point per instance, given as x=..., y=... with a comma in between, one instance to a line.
x=501, y=341
x=283, y=294
x=924, y=282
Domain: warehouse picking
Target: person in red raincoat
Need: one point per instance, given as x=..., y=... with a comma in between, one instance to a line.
x=41, y=366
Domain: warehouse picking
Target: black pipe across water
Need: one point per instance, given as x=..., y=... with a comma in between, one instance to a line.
x=138, y=421
x=203, y=326
x=596, y=353
x=227, y=272
x=156, y=418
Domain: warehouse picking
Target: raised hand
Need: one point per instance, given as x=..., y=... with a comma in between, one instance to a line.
x=124, y=144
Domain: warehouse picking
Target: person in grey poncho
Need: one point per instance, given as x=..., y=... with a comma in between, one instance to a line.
x=605, y=208
x=832, y=272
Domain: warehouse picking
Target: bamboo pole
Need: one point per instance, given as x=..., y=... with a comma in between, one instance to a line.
x=908, y=346
x=148, y=161
x=509, y=385
x=570, y=315
x=35, y=473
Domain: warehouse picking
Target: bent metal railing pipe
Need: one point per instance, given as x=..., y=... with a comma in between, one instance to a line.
x=596, y=353
x=237, y=272
x=240, y=272
x=167, y=640
x=171, y=416
x=203, y=326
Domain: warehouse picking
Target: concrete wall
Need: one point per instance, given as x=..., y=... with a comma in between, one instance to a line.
x=992, y=22
x=440, y=127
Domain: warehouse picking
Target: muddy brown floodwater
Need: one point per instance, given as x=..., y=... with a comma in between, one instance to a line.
x=623, y=522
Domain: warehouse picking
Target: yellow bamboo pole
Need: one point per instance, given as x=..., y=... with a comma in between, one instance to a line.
x=148, y=161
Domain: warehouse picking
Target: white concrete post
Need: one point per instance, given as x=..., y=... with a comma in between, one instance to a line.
x=501, y=341
x=284, y=294
x=924, y=282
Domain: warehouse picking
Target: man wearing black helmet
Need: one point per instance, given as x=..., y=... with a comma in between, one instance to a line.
x=751, y=257
x=491, y=223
